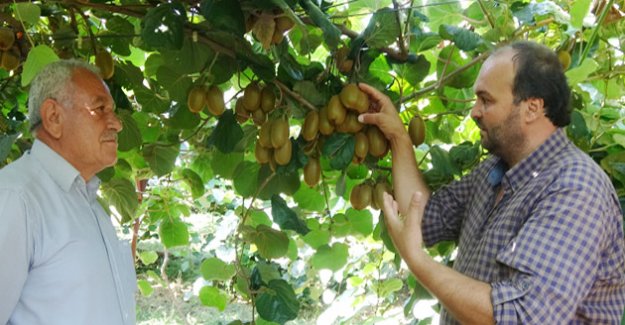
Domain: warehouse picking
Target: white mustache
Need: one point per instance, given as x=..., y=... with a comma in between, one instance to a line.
x=110, y=137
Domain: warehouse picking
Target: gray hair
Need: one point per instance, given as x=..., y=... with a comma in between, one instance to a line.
x=53, y=81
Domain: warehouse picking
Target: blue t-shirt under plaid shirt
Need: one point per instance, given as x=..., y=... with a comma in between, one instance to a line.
x=552, y=248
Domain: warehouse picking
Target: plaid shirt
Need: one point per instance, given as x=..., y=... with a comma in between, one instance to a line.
x=552, y=249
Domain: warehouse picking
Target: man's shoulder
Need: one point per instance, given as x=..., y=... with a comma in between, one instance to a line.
x=18, y=174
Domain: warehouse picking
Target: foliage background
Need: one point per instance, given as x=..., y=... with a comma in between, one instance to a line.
x=268, y=239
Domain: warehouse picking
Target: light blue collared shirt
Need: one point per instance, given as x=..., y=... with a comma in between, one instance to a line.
x=60, y=259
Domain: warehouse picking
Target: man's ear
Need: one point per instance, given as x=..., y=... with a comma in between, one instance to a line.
x=52, y=118
x=535, y=109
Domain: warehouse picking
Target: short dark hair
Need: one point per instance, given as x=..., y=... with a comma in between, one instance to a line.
x=539, y=74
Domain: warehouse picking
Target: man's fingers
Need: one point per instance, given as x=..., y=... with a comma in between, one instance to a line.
x=390, y=210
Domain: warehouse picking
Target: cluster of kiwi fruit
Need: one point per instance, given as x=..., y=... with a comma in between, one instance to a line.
x=9, y=53
x=370, y=193
x=269, y=26
x=273, y=145
x=340, y=114
x=203, y=96
x=256, y=103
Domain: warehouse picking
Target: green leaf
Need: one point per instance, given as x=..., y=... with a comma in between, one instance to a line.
x=387, y=287
x=6, y=142
x=339, y=148
x=149, y=101
x=27, y=12
x=148, y=257
x=414, y=70
x=361, y=221
x=331, y=33
x=173, y=232
x=163, y=26
x=330, y=257
x=213, y=268
x=226, y=134
x=223, y=15
x=213, y=297
x=309, y=199
x=161, y=158
x=450, y=60
x=278, y=302
x=271, y=243
x=182, y=118
x=194, y=181
x=464, y=155
x=464, y=39
x=191, y=58
x=579, y=10
x=245, y=178
x=317, y=238
x=579, y=74
x=121, y=193
x=224, y=164
x=130, y=136
x=383, y=29
x=282, y=182
x=285, y=217
x=38, y=57
x=176, y=84
x=262, y=65
x=258, y=217
x=145, y=287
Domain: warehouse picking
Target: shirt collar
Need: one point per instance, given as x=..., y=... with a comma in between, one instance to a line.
x=532, y=165
x=59, y=169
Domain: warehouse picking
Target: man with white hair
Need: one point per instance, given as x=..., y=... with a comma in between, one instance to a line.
x=62, y=260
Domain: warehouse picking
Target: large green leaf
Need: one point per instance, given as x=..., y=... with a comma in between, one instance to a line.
x=163, y=26
x=213, y=297
x=309, y=199
x=361, y=221
x=275, y=183
x=271, y=243
x=121, y=193
x=330, y=257
x=285, y=217
x=579, y=10
x=173, y=232
x=27, y=12
x=213, y=268
x=6, y=142
x=464, y=39
x=38, y=57
x=192, y=57
x=226, y=134
x=180, y=117
x=383, y=29
x=317, y=238
x=161, y=158
x=339, y=148
x=149, y=101
x=177, y=84
x=278, y=303
x=130, y=136
x=245, y=178
x=194, y=181
x=223, y=15
x=224, y=164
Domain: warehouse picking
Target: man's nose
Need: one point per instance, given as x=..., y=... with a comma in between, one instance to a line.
x=115, y=123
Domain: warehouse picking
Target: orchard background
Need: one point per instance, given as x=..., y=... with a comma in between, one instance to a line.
x=277, y=229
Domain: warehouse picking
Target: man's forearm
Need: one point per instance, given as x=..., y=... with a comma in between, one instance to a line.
x=407, y=178
x=466, y=299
